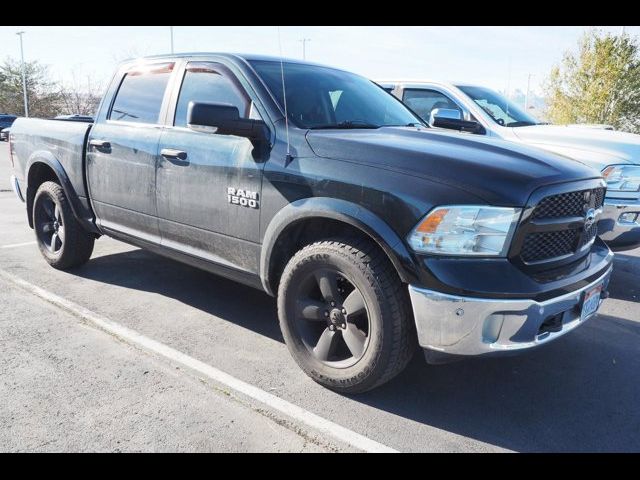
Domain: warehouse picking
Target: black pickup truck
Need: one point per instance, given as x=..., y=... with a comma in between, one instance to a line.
x=376, y=233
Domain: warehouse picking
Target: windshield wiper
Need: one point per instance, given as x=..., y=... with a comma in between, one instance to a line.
x=347, y=124
x=520, y=124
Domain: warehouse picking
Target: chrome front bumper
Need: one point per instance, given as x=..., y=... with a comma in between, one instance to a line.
x=619, y=223
x=475, y=326
x=16, y=188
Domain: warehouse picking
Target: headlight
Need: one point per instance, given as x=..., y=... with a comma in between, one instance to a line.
x=465, y=230
x=625, y=178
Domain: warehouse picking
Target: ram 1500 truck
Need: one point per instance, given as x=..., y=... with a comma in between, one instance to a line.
x=481, y=111
x=375, y=232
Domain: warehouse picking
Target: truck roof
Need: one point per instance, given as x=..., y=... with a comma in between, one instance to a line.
x=249, y=57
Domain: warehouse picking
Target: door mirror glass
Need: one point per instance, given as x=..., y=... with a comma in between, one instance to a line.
x=212, y=117
x=223, y=119
x=448, y=113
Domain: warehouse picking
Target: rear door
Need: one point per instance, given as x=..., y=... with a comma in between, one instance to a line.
x=122, y=153
x=209, y=200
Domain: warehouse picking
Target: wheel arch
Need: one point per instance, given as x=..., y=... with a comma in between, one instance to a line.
x=279, y=242
x=42, y=167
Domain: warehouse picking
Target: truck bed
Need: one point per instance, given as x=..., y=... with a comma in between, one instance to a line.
x=50, y=141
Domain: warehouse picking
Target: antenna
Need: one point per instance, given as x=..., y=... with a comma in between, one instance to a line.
x=289, y=158
x=508, y=85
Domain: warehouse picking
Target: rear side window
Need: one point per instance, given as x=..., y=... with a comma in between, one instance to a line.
x=139, y=98
x=207, y=82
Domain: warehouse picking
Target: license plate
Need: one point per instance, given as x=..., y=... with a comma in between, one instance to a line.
x=591, y=302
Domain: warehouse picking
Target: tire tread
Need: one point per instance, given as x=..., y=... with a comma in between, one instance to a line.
x=78, y=243
x=381, y=275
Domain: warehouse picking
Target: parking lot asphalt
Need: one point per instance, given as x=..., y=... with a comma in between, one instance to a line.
x=66, y=385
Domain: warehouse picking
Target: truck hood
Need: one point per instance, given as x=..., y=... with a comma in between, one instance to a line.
x=595, y=147
x=498, y=172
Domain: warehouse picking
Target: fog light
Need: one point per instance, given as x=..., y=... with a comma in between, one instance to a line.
x=491, y=328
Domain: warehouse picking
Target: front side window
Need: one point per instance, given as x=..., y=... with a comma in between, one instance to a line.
x=499, y=108
x=206, y=82
x=423, y=102
x=322, y=97
x=139, y=98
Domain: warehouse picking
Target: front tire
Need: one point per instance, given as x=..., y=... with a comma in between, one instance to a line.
x=63, y=242
x=344, y=315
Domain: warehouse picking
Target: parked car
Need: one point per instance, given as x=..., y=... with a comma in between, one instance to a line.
x=5, y=122
x=375, y=232
x=482, y=111
x=4, y=134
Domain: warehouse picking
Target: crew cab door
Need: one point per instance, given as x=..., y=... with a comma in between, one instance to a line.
x=209, y=185
x=122, y=153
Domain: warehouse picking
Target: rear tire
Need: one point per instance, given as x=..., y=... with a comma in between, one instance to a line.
x=63, y=242
x=345, y=315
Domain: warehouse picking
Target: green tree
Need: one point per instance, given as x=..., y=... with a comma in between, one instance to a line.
x=600, y=83
x=43, y=94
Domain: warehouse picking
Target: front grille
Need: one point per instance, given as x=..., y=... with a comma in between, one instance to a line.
x=570, y=204
x=599, y=194
x=589, y=236
x=546, y=245
x=541, y=245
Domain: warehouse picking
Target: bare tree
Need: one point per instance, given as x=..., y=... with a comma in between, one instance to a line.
x=80, y=95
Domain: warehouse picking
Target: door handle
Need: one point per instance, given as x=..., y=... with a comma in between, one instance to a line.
x=100, y=144
x=172, y=154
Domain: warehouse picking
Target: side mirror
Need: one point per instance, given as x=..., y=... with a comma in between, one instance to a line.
x=452, y=119
x=224, y=119
x=444, y=113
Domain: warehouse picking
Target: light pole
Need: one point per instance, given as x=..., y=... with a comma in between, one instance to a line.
x=304, y=47
x=24, y=76
x=526, y=97
x=171, y=32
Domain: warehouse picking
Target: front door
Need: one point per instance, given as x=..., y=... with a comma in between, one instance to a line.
x=122, y=154
x=423, y=101
x=209, y=185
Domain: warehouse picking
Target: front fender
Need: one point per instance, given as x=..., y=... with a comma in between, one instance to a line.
x=343, y=211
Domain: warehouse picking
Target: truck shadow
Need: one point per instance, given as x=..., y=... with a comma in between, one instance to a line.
x=625, y=281
x=146, y=271
x=579, y=393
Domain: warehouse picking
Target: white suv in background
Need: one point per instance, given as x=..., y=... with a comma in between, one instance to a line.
x=482, y=111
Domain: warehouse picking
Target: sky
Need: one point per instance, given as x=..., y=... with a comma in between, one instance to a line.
x=498, y=57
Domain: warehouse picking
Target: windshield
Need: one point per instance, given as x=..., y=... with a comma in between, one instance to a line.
x=503, y=111
x=322, y=97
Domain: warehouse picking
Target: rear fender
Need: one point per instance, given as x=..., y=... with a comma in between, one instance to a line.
x=79, y=212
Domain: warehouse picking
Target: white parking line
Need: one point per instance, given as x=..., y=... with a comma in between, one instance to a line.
x=15, y=245
x=134, y=338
